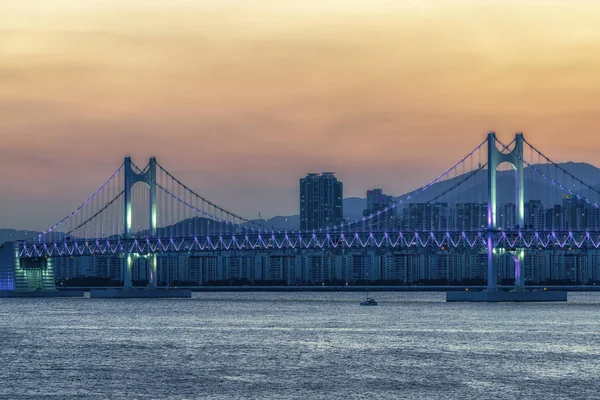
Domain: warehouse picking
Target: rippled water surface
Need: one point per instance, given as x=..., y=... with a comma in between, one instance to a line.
x=299, y=346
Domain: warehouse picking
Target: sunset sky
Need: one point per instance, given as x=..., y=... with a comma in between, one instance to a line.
x=239, y=99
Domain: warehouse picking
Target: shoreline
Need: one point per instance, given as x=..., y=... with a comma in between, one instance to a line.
x=350, y=288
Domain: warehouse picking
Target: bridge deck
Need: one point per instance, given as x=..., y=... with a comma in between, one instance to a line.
x=307, y=241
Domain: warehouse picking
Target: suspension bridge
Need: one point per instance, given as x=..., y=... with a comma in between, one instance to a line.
x=141, y=212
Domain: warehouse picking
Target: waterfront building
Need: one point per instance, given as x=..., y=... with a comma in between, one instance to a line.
x=537, y=266
x=476, y=265
x=362, y=266
x=108, y=267
x=69, y=267
x=8, y=265
x=238, y=266
x=318, y=267
x=457, y=265
x=140, y=270
x=395, y=267
x=203, y=268
x=280, y=267
x=321, y=201
x=167, y=269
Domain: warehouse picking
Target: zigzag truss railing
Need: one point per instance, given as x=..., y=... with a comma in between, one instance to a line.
x=373, y=240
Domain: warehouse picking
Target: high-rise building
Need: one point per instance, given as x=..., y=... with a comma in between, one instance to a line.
x=592, y=222
x=476, y=267
x=140, y=270
x=554, y=217
x=67, y=267
x=417, y=215
x=574, y=212
x=534, y=215
x=167, y=269
x=321, y=201
x=362, y=266
x=506, y=216
x=9, y=262
x=108, y=267
x=394, y=267
x=238, y=266
x=280, y=267
x=469, y=216
x=194, y=269
x=428, y=216
x=318, y=267
x=376, y=201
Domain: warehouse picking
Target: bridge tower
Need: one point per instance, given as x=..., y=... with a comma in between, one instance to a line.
x=495, y=158
x=147, y=176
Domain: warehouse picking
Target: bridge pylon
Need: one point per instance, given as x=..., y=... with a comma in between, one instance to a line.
x=148, y=177
x=495, y=158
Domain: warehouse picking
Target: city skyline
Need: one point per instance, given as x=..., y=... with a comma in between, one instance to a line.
x=278, y=91
x=277, y=199
x=361, y=205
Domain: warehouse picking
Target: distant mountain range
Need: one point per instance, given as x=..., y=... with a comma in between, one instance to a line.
x=7, y=235
x=473, y=189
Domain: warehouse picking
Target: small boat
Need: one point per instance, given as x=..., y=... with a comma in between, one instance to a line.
x=369, y=301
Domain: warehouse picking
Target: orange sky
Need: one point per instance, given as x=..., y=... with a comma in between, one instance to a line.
x=240, y=99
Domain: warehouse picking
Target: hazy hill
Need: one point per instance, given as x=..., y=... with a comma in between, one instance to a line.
x=536, y=187
x=7, y=235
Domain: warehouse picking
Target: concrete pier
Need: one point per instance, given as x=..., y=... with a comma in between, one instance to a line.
x=140, y=293
x=41, y=293
x=513, y=296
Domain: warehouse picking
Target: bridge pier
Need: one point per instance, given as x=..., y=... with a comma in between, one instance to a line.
x=148, y=177
x=127, y=271
x=492, y=274
x=514, y=158
x=153, y=270
x=502, y=297
x=519, y=259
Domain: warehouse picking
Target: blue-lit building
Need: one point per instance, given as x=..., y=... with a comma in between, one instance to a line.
x=7, y=266
x=33, y=274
